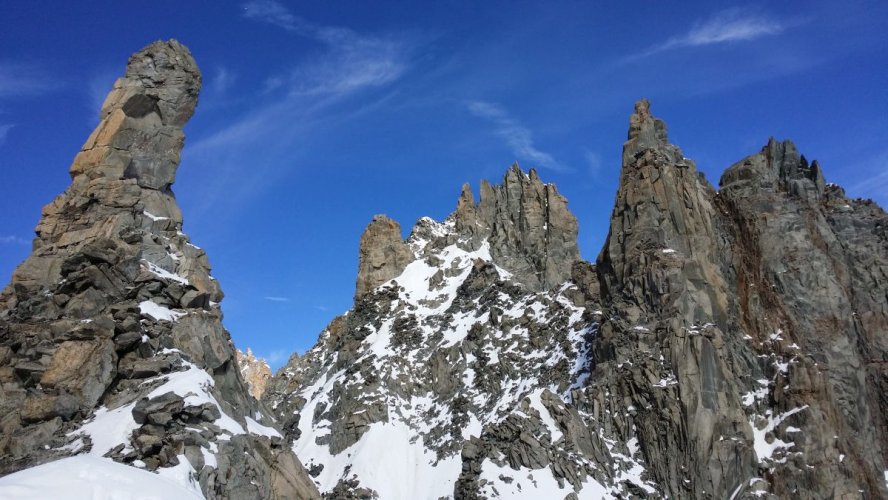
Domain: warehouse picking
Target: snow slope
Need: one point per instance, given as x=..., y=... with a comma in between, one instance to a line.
x=88, y=477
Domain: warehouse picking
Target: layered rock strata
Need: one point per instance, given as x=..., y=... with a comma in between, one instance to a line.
x=111, y=340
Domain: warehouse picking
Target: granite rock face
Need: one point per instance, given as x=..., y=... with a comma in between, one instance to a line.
x=809, y=266
x=727, y=344
x=531, y=232
x=748, y=290
x=111, y=340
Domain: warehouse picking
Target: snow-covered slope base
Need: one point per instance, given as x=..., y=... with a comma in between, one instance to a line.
x=87, y=477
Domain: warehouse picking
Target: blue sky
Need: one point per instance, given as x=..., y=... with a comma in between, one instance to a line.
x=317, y=115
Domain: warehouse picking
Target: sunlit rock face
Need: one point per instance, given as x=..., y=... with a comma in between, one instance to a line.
x=111, y=341
x=255, y=372
x=726, y=344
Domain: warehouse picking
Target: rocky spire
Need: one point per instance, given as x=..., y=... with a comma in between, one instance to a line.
x=111, y=341
x=663, y=214
x=140, y=134
x=645, y=131
x=746, y=290
x=659, y=271
x=382, y=255
x=466, y=214
x=531, y=232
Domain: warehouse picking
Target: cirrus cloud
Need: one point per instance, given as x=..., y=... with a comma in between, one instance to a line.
x=731, y=25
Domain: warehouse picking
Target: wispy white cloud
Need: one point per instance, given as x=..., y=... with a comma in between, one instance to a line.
x=593, y=162
x=276, y=299
x=271, y=12
x=731, y=25
x=222, y=80
x=310, y=93
x=518, y=137
x=13, y=240
x=873, y=176
x=351, y=61
x=4, y=131
x=276, y=357
x=350, y=64
x=25, y=80
x=322, y=308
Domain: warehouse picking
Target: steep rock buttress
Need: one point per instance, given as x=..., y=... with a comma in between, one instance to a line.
x=765, y=301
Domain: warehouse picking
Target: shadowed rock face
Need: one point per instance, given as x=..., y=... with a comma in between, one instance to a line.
x=727, y=344
x=812, y=265
x=115, y=313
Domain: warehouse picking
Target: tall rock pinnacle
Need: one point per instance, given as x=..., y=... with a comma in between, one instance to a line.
x=662, y=228
x=111, y=340
x=140, y=135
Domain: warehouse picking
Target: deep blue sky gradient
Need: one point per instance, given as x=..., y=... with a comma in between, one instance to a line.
x=317, y=115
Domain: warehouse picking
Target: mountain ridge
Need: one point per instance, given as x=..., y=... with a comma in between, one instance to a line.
x=704, y=387
x=728, y=342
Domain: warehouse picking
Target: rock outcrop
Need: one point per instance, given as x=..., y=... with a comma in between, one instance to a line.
x=255, y=372
x=525, y=222
x=382, y=254
x=531, y=232
x=111, y=340
x=726, y=344
x=809, y=267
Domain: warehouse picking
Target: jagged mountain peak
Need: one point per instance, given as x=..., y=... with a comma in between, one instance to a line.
x=255, y=371
x=526, y=224
x=414, y=367
x=779, y=165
